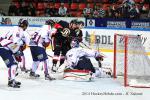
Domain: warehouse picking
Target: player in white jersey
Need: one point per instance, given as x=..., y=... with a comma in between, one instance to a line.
x=78, y=58
x=24, y=36
x=39, y=41
x=10, y=48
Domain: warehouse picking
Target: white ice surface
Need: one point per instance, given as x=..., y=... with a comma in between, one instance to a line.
x=40, y=89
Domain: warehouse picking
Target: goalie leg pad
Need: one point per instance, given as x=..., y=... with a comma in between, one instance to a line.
x=78, y=75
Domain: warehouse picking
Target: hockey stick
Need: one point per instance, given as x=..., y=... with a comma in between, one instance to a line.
x=85, y=45
x=91, y=48
x=99, y=61
x=58, y=58
x=49, y=56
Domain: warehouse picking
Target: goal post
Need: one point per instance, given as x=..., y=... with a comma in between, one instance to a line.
x=131, y=63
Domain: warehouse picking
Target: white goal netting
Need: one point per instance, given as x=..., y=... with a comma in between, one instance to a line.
x=131, y=61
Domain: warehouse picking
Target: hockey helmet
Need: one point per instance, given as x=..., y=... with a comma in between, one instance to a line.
x=74, y=43
x=23, y=23
x=73, y=24
x=80, y=23
x=74, y=21
x=49, y=22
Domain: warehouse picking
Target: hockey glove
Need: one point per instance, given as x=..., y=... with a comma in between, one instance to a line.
x=18, y=58
x=46, y=44
x=22, y=48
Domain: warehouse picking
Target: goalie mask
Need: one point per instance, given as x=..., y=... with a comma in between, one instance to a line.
x=74, y=43
x=65, y=32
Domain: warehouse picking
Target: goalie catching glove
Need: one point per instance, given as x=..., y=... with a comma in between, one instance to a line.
x=45, y=44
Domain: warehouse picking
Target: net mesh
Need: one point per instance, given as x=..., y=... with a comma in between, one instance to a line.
x=131, y=52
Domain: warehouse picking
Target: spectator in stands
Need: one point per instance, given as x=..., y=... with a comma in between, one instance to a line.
x=148, y=14
x=31, y=10
x=88, y=11
x=114, y=11
x=62, y=10
x=146, y=1
x=48, y=0
x=125, y=7
x=23, y=10
x=143, y=11
x=134, y=12
x=47, y=10
x=130, y=2
x=2, y=12
x=113, y=1
x=102, y=12
x=12, y=11
x=50, y=10
x=53, y=10
x=96, y=11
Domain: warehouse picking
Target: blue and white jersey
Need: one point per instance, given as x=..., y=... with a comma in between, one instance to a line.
x=43, y=35
x=74, y=55
x=13, y=39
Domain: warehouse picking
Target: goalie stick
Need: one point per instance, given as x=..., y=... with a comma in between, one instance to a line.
x=85, y=45
x=91, y=48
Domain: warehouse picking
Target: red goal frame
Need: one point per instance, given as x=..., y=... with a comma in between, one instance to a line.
x=125, y=78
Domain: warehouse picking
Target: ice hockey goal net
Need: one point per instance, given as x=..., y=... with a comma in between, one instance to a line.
x=131, y=63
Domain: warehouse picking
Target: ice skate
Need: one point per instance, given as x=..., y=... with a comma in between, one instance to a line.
x=23, y=69
x=13, y=83
x=48, y=77
x=33, y=74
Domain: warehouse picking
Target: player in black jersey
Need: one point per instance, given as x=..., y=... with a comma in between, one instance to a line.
x=61, y=41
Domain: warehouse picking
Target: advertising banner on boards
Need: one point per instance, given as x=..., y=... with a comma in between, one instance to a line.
x=40, y=20
x=119, y=23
